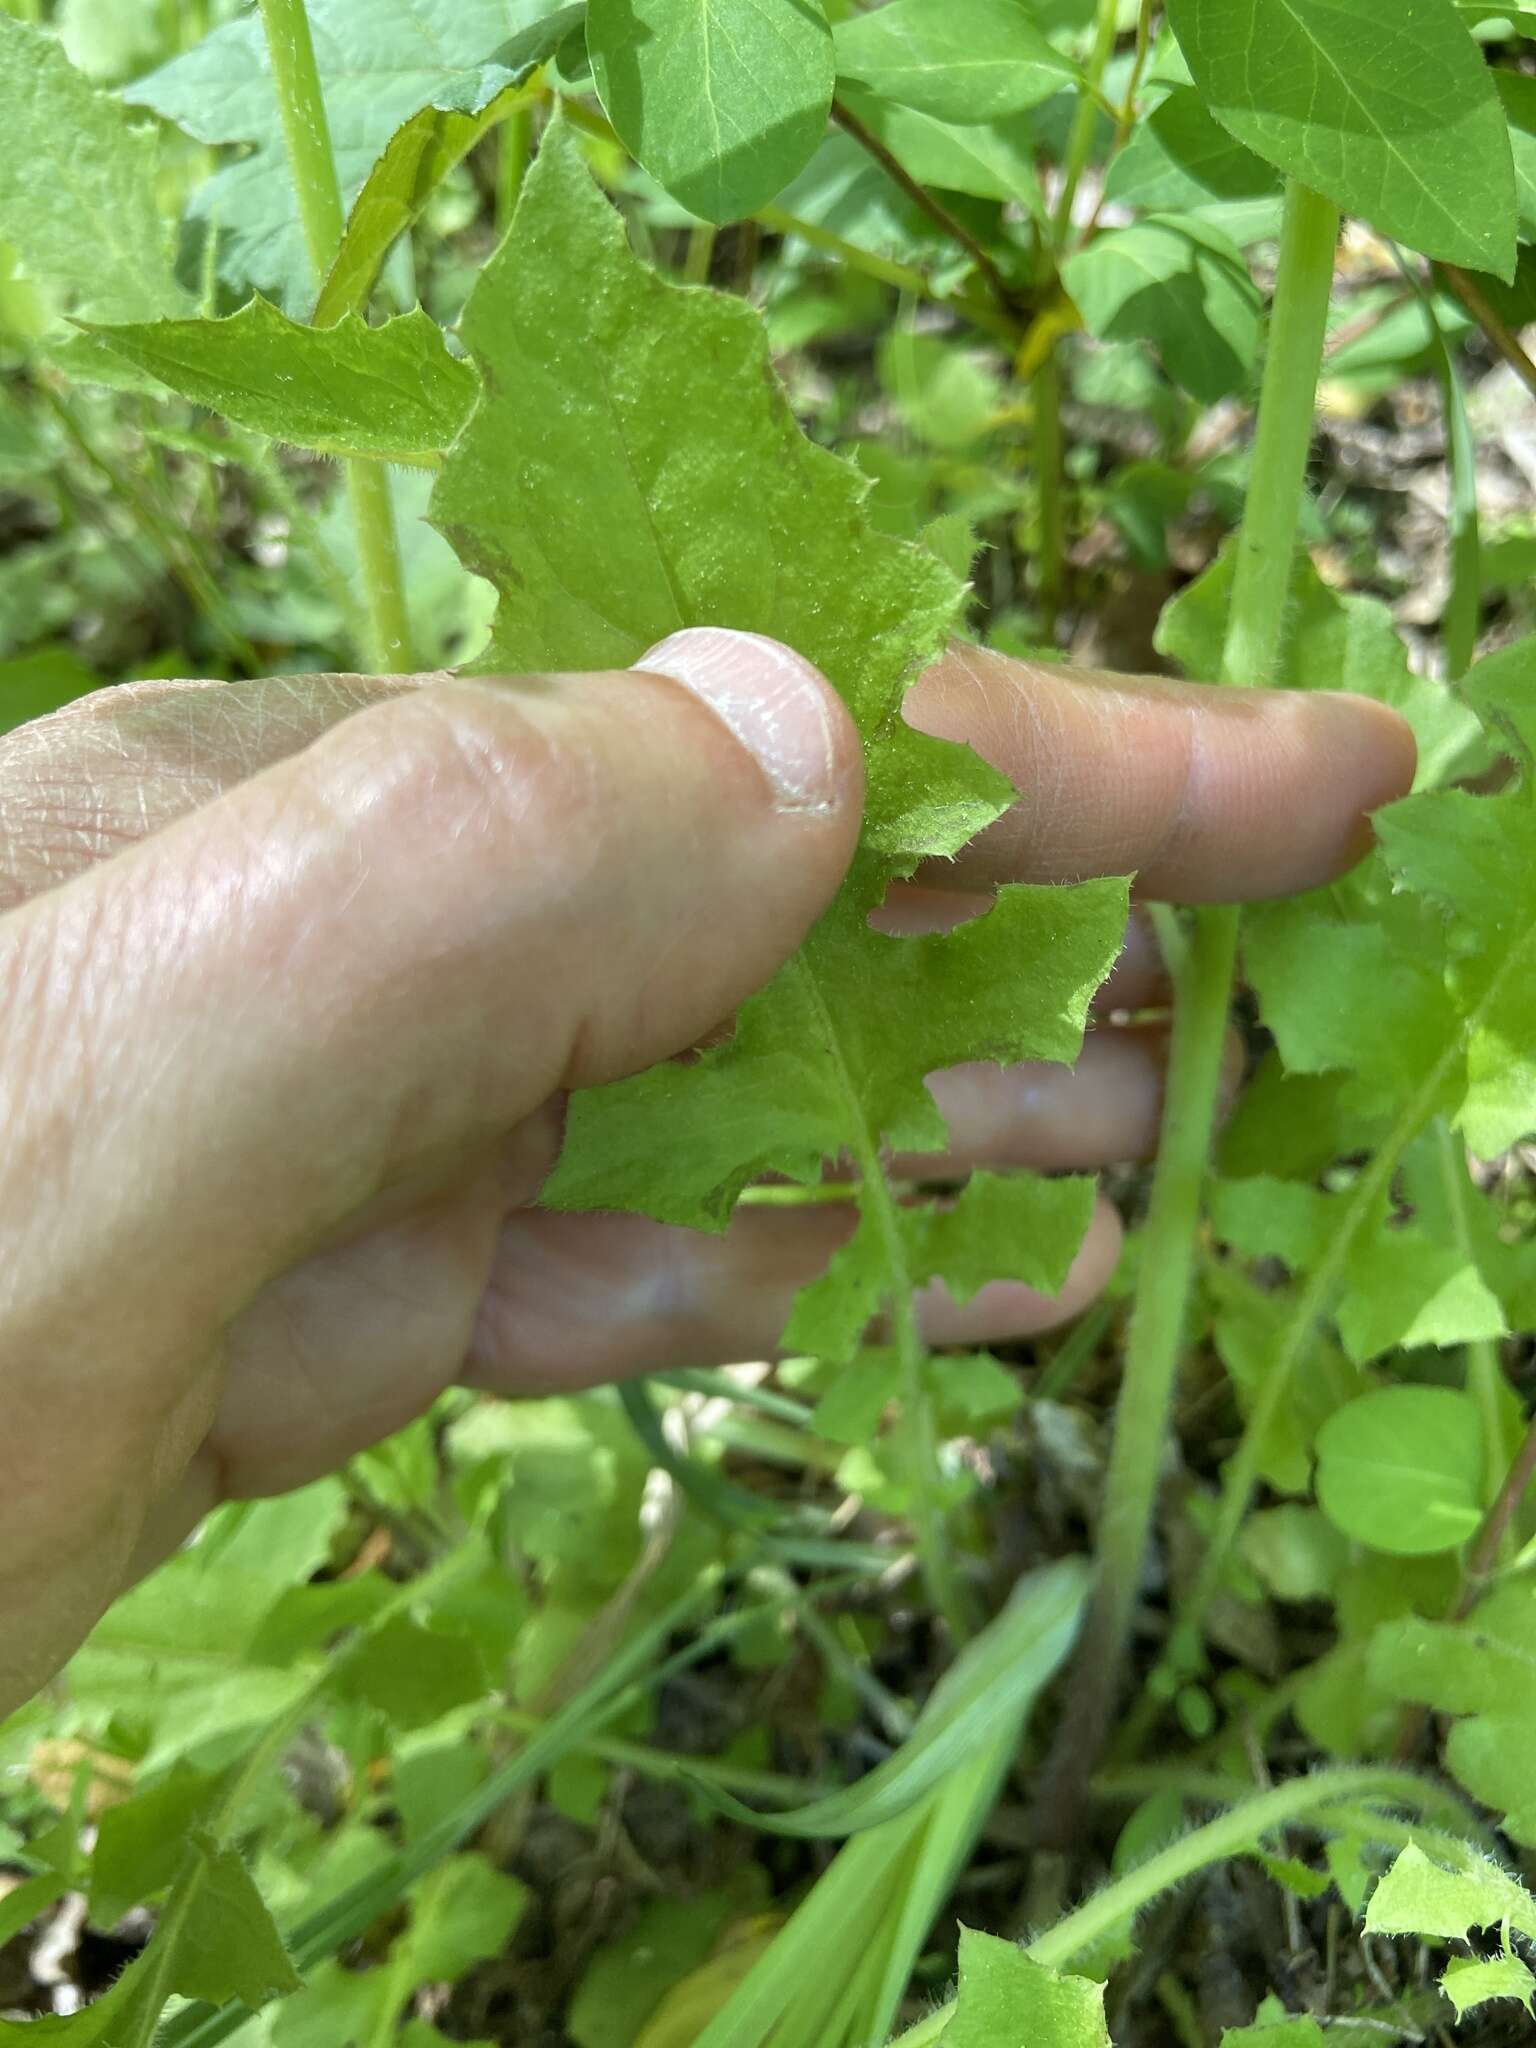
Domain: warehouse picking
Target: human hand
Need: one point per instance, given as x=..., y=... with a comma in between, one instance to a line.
x=294, y=974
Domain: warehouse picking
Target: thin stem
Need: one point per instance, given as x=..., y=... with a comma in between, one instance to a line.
x=1242, y=1826
x=1080, y=140
x=923, y=1469
x=1153, y=1351
x=700, y=253
x=1485, y=1377
x=1051, y=558
x=1492, y=322
x=307, y=133
x=934, y=207
x=1482, y=1561
x=1261, y=587
x=1346, y=1793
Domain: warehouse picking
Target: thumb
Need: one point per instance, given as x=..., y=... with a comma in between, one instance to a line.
x=377, y=957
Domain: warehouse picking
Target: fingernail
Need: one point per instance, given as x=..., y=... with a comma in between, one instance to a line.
x=776, y=704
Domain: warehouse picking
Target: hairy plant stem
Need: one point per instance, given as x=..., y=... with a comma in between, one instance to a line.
x=1305, y=1801
x=1080, y=140
x=1203, y=993
x=306, y=131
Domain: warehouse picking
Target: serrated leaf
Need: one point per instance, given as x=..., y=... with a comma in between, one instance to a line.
x=1388, y=110
x=1401, y=1469
x=722, y=101
x=1005, y=2000
x=999, y=1227
x=1291, y=2032
x=1419, y=1897
x=392, y=391
x=652, y=410
x=1469, y=1984
x=77, y=185
x=228, y=1945
x=1182, y=284
x=966, y=62
x=377, y=68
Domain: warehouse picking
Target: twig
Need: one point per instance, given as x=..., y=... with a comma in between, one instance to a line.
x=935, y=208
x=1492, y=322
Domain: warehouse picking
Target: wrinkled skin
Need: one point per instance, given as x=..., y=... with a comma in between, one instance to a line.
x=294, y=975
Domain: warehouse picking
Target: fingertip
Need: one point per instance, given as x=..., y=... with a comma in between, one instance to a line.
x=778, y=705
x=1378, y=741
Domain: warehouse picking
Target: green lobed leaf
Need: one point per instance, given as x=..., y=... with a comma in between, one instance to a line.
x=1182, y=284
x=77, y=185
x=1419, y=1897
x=378, y=66
x=228, y=1945
x=1469, y=1984
x=392, y=391
x=1005, y=2000
x=722, y=101
x=968, y=61
x=1387, y=109
x=1401, y=1469
x=650, y=410
x=999, y=1227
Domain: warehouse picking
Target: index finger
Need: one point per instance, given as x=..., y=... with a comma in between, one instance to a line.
x=1207, y=794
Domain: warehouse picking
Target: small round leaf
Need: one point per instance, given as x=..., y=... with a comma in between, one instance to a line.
x=1401, y=1470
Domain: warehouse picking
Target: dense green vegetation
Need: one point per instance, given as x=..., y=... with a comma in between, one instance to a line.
x=1190, y=1653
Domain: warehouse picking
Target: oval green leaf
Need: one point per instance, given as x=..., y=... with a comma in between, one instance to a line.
x=722, y=101
x=1401, y=1470
x=1387, y=108
x=967, y=61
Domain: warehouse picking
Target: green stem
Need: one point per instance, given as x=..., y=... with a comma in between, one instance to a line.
x=306, y=130
x=1153, y=1348
x=1261, y=587
x=1230, y=1834
x=1051, y=557
x=700, y=253
x=1313, y=1800
x=1485, y=1376
x=1080, y=140
x=880, y=1209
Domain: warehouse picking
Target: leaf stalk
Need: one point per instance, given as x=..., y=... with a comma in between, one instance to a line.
x=307, y=133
